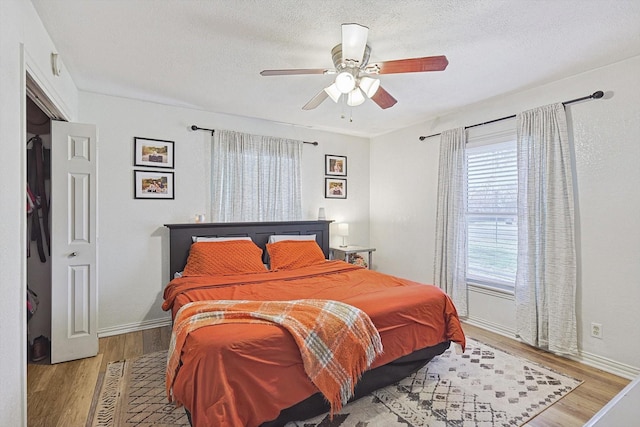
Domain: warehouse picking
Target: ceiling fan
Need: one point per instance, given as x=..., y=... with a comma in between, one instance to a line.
x=355, y=76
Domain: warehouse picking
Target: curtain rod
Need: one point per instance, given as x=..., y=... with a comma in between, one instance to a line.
x=194, y=127
x=595, y=95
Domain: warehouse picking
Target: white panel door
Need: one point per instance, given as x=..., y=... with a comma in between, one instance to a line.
x=73, y=241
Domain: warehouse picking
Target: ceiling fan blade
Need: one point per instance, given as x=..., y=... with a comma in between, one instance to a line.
x=413, y=65
x=354, y=41
x=316, y=100
x=294, y=71
x=383, y=98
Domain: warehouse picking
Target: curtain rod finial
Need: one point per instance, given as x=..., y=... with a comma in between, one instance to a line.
x=598, y=94
x=194, y=127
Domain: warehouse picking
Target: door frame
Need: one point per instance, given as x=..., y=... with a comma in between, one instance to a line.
x=71, y=153
x=29, y=67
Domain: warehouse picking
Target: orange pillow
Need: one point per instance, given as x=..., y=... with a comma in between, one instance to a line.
x=226, y=257
x=291, y=254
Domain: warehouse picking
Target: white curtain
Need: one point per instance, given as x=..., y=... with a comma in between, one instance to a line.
x=255, y=178
x=450, y=264
x=546, y=275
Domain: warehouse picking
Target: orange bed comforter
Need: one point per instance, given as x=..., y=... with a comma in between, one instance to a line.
x=245, y=374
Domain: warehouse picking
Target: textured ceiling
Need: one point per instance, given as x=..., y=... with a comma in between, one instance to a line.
x=208, y=54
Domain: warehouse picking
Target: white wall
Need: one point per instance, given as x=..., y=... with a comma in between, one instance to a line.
x=607, y=150
x=133, y=244
x=24, y=44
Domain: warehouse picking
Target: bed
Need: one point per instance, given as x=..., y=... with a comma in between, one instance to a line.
x=247, y=374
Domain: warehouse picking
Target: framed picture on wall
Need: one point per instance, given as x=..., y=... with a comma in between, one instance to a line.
x=156, y=153
x=335, y=188
x=153, y=184
x=335, y=165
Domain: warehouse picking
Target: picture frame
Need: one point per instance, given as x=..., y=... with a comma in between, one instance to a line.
x=335, y=165
x=156, y=153
x=157, y=185
x=335, y=188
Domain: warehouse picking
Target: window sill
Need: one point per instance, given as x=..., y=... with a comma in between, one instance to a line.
x=491, y=290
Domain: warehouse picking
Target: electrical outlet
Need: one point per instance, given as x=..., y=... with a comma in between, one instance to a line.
x=596, y=330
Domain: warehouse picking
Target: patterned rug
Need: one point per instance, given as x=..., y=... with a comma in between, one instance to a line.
x=484, y=387
x=133, y=394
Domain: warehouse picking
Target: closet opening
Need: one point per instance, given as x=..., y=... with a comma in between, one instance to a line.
x=39, y=113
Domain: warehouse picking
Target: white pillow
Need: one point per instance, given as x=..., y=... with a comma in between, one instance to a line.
x=217, y=239
x=280, y=237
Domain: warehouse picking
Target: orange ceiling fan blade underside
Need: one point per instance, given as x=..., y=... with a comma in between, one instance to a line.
x=413, y=65
x=383, y=98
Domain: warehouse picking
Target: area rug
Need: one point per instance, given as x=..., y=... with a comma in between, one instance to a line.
x=484, y=387
x=133, y=394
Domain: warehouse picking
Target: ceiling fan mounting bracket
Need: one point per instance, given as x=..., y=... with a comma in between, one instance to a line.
x=340, y=64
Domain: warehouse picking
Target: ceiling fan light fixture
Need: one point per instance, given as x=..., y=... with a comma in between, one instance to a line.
x=369, y=86
x=345, y=82
x=333, y=92
x=355, y=98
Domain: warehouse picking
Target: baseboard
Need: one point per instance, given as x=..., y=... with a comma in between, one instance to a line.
x=496, y=328
x=133, y=327
x=608, y=365
x=613, y=367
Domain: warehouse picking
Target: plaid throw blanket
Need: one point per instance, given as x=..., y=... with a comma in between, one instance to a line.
x=337, y=342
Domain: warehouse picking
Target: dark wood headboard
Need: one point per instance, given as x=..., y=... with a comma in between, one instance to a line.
x=180, y=235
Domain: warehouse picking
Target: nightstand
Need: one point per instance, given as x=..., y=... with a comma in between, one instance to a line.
x=343, y=252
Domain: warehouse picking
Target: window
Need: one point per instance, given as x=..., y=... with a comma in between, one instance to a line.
x=255, y=178
x=492, y=217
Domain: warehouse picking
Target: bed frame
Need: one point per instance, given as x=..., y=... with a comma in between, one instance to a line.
x=180, y=242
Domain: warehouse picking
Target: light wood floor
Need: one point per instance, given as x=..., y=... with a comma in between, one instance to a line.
x=61, y=395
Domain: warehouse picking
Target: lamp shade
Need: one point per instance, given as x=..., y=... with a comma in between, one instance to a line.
x=343, y=229
x=369, y=86
x=355, y=97
x=345, y=82
x=333, y=92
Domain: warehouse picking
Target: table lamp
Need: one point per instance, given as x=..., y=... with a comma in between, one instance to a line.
x=343, y=230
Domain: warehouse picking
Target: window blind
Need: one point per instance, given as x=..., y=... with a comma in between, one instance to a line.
x=492, y=214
